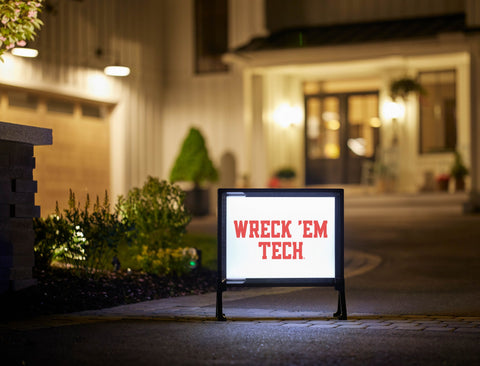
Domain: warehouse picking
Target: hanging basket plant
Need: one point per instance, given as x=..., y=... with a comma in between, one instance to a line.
x=404, y=86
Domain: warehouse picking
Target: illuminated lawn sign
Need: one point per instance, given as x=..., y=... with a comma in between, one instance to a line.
x=280, y=237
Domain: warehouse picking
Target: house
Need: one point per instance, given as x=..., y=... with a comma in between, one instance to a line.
x=303, y=84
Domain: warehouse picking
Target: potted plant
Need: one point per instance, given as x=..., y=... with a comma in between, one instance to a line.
x=194, y=165
x=283, y=178
x=442, y=182
x=458, y=171
x=403, y=87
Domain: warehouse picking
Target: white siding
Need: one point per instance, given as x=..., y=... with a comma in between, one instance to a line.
x=246, y=21
x=472, y=8
x=211, y=102
x=68, y=64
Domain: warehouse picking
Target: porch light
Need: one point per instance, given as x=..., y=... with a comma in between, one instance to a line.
x=117, y=70
x=24, y=52
x=393, y=110
x=286, y=115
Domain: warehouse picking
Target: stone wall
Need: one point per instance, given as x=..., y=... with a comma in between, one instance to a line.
x=17, y=203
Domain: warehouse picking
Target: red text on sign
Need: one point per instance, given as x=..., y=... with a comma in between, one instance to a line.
x=262, y=228
x=281, y=250
x=312, y=229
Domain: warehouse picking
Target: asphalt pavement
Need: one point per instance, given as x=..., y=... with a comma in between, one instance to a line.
x=412, y=264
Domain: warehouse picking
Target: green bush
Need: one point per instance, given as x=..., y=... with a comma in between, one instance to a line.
x=167, y=261
x=193, y=163
x=150, y=221
x=158, y=214
x=85, y=241
x=51, y=233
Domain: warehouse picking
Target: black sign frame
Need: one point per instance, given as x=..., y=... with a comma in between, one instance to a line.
x=338, y=282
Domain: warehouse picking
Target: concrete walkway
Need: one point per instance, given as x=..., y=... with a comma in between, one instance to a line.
x=202, y=307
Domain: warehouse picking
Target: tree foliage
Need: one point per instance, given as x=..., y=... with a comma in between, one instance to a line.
x=18, y=23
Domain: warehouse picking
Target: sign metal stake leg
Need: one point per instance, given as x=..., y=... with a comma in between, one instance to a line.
x=341, y=313
x=220, y=288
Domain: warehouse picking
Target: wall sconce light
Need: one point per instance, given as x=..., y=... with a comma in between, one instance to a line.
x=393, y=110
x=116, y=70
x=286, y=115
x=24, y=52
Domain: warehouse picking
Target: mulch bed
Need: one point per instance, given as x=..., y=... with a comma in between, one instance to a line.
x=59, y=291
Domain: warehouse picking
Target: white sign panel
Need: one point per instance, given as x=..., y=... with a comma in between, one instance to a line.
x=280, y=237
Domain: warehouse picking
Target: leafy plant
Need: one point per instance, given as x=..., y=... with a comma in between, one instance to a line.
x=167, y=261
x=458, y=169
x=193, y=163
x=152, y=218
x=19, y=21
x=51, y=233
x=285, y=173
x=158, y=214
x=86, y=241
x=404, y=86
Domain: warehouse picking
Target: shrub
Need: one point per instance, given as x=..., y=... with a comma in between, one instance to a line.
x=50, y=234
x=193, y=163
x=152, y=218
x=167, y=261
x=158, y=214
x=86, y=241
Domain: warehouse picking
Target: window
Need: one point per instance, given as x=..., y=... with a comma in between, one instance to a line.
x=323, y=128
x=211, y=35
x=60, y=106
x=93, y=110
x=438, y=126
x=22, y=99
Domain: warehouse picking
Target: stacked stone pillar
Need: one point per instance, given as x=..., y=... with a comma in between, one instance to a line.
x=17, y=203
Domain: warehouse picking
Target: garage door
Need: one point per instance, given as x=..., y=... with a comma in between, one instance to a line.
x=79, y=158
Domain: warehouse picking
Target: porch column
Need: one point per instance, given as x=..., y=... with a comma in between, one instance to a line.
x=473, y=204
x=257, y=158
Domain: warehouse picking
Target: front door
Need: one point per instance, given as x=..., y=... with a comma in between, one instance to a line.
x=341, y=134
